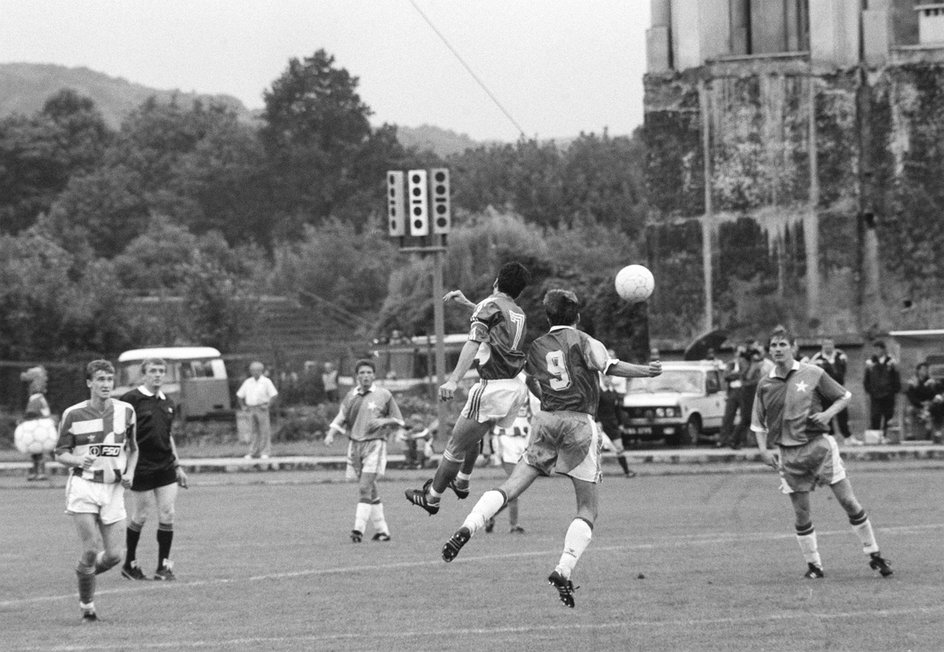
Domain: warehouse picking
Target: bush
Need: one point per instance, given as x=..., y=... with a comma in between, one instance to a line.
x=7, y=426
x=305, y=423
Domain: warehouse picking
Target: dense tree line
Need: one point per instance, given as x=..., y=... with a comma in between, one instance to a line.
x=190, y=201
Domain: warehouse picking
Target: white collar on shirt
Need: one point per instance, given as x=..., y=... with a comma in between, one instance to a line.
x=144, y=390
x=773, y=372
x=560, y=326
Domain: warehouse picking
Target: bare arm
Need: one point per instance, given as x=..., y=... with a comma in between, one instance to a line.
x=128, y=477
x=629, y=370
x=823, y=418
x=181, y=474
x=466, y=358
x=457, y=297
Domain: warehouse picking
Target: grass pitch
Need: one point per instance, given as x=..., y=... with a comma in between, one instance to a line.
x=694, y=562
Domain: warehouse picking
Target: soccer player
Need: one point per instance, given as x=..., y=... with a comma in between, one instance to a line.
x=367, y=414
x=97, y=439
x=563, y=367
x=496, y=347
x=158, y=472
x=793, y=408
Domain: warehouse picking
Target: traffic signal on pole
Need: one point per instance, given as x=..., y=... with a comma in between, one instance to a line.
x=418, y=202
x=396, y=203
x=439, y=200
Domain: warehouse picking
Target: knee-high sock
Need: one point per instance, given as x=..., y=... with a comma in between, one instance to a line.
x=377, y=517
x=361, y=514
x=85, y=572
x=165, y=536
x=622, y=462
x=488, y=505
x=132, y=536
x=575, y=542
x=863, y=529
x=806, y=537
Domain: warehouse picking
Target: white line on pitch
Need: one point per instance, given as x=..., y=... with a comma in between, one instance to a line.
x=676, y=541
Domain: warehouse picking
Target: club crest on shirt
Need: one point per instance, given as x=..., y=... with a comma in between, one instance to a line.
x=801, y=386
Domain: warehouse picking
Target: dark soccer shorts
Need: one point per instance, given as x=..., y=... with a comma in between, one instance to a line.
x=152, y=481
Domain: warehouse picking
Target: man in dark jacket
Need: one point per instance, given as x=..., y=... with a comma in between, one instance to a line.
x=834, y=362
x=882, y=384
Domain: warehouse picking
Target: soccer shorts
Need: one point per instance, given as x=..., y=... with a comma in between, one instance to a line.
x=152, y=481
x=496, y=401
x=87, y=497
x=817, y=462
x=366, y=457
x=566, y=442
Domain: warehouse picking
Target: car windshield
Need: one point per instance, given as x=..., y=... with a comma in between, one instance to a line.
x=672, y=380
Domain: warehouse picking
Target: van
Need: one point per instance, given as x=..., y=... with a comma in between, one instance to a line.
x=196, y=378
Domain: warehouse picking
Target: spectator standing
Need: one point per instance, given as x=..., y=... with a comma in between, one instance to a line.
x=882, y=384
x=835, y=363
x=37, y=409
x=256, y=396
x=329, y=379
x=733, y=373
x=753, y=362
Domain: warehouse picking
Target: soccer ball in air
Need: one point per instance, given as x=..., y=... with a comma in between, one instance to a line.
x=35, y=436
x=634, y=283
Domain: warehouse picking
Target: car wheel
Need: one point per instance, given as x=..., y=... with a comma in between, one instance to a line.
x=692, y=432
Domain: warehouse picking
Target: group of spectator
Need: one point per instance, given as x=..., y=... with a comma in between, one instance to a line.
x=881, y=383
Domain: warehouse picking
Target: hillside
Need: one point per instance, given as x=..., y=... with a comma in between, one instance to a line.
x=441, y=141
x=24, y=88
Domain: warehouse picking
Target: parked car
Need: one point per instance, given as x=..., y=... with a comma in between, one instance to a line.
x=196, y=378
x=681, y=406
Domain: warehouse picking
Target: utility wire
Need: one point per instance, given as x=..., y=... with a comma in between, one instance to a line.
x=469, y=69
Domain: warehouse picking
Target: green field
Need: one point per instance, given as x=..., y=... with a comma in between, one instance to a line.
x=690, y=562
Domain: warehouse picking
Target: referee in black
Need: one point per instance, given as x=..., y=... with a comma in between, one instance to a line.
x=158, y=472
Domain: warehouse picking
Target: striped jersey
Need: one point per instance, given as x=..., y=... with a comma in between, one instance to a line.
x=360, y=410
x=782, y=406
x=499, y=326
x=104, y=433
x=567, y=364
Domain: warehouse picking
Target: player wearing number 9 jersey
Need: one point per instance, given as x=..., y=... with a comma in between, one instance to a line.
x=496, y=348
x=563, y=367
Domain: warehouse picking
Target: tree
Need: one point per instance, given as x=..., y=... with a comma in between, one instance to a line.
x=40, y=153
x=324, y=160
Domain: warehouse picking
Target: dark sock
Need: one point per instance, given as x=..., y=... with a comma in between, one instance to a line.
x=132, y=536
x=165, y=535
x=623, y=464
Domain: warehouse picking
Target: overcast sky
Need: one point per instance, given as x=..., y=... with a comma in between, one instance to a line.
x=558, y=67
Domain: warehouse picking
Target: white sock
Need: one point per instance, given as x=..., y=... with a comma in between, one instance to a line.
x=864, y=531
x=361, y=514
x=377, y=518
x=463, y=477
x=575, y=542
x=487, y=506
x=808, y=546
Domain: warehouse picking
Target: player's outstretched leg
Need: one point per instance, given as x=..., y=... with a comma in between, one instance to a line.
x=452, y=547
x=485, y=509
x=422, y=499
x=565, y=588
x=863, y=529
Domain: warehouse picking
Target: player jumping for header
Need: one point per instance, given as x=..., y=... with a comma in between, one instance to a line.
x=564, y=367
x=496, y=347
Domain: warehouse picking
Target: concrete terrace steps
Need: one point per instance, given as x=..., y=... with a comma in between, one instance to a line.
x=665, y=457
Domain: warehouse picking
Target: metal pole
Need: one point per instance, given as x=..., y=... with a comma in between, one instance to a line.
x=439, y=327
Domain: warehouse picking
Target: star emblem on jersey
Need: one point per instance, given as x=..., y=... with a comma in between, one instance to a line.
x=802, y=386
x=371, y=405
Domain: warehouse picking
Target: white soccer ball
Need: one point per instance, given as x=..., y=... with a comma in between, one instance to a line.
x=35, y=436
x=634, y=283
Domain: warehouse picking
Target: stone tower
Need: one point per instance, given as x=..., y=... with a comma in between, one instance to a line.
x=794, y=152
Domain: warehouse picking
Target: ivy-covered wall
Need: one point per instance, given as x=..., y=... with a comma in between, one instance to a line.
x=847, y=242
